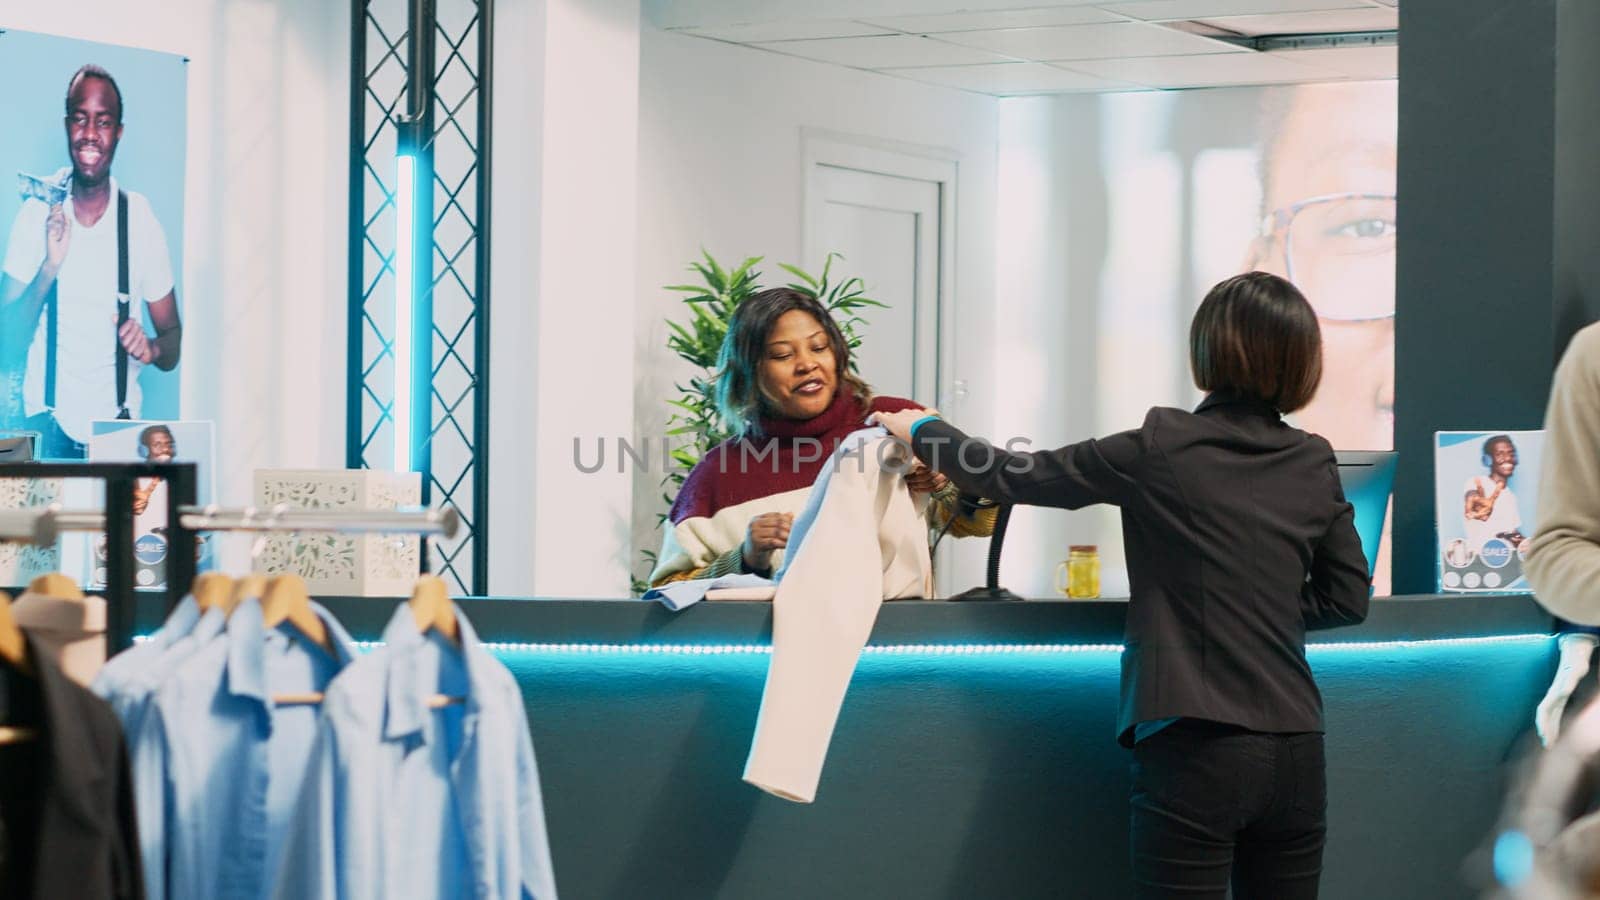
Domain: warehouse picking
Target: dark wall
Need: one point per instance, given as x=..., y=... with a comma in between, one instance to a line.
x=1474, y=268
x=1577, y=201
x=1500, y=225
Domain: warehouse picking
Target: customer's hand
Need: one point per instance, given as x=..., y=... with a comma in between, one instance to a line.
x=766, y=533
x=923, y=480
x=899, y=423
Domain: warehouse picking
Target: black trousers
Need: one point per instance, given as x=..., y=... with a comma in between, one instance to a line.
x=1215, y=805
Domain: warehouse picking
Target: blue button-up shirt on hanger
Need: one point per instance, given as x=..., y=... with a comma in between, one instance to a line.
x=406, y=800
x=118, y=668
x=227, y=760
x=130, y=689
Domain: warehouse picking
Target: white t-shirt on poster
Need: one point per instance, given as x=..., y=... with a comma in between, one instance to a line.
x=86, y=289
x=1503, y=518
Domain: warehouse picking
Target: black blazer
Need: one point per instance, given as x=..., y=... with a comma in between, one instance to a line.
x=85, y=842
x=1238, y=540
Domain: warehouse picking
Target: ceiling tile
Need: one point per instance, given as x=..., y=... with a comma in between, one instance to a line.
x=1124, y=39
x=1005, y=79
x=1010, y=18
x=893, y=51
x=786, y=31
x=1357, y=62
x=1200, y=9
x=1328, y=22
x=1206, y=71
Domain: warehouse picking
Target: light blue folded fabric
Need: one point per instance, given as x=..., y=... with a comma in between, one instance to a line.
x=681, y=594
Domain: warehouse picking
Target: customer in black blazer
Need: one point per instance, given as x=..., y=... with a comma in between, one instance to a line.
x=1238, y=541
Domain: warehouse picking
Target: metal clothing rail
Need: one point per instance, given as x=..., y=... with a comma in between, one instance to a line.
x=44, y=526
x=120, y=480
x=417, y=520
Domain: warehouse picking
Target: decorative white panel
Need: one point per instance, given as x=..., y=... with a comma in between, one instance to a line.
x=21, y=563
x=345, y=565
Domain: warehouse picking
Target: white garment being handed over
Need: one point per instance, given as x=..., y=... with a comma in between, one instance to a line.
x=862, y=539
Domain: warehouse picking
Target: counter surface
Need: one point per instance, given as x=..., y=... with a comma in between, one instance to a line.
x=520, y=619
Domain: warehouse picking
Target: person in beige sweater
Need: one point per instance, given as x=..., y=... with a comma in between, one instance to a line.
x=1563, y=562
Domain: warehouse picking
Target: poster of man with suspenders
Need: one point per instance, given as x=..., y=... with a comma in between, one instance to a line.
x=88, y=286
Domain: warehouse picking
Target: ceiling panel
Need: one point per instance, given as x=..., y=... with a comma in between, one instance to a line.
x=786, y=31
x=1206, y=71
x=1125, y=39
x=1370, y=19
x=979, y=21
x=894, y=51
x=1201, y=9
x=1013, y=78
x=1356, y=62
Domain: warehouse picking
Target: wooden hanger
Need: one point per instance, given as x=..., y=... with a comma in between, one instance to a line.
x=212, y=590
x=15, y=735
x=13, y=647
x=287, y=600
x=56, y=585
x=431, y=608
x=14, y=652
x=252, y=585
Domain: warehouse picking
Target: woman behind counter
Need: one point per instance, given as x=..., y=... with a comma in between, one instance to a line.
x=1238, y=540
x=785, y=389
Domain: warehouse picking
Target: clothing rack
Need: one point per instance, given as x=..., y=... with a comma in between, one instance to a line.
x=185, y=521
x=120, y=480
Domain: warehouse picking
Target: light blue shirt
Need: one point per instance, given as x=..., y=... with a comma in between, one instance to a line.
x=677, y=595
x=226, y=760
x=132, y=688
x=408, y=801
x=178, y=623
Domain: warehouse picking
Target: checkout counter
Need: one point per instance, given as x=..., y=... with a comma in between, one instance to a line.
x=975, y=756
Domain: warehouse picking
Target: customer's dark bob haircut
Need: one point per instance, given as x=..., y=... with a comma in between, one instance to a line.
x=1255, y=335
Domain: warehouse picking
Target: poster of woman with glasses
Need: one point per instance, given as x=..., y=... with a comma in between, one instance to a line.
x=1150, y=197
x=1328, y=225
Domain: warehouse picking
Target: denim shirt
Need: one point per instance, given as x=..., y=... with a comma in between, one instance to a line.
x=226, y=761
x=404, y=800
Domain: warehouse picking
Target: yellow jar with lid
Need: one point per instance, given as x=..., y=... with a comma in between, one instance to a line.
x=1079, y=576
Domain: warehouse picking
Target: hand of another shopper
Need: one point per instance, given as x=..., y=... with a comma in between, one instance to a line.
x=766, y=533
x=1576, y=650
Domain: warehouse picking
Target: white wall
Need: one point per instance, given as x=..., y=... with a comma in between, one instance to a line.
x=565, y=201
x=720, y=168
x=1045, y=345
x=265, y=211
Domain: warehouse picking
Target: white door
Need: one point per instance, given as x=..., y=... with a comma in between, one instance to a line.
x=887, y=229
x=891, y=215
